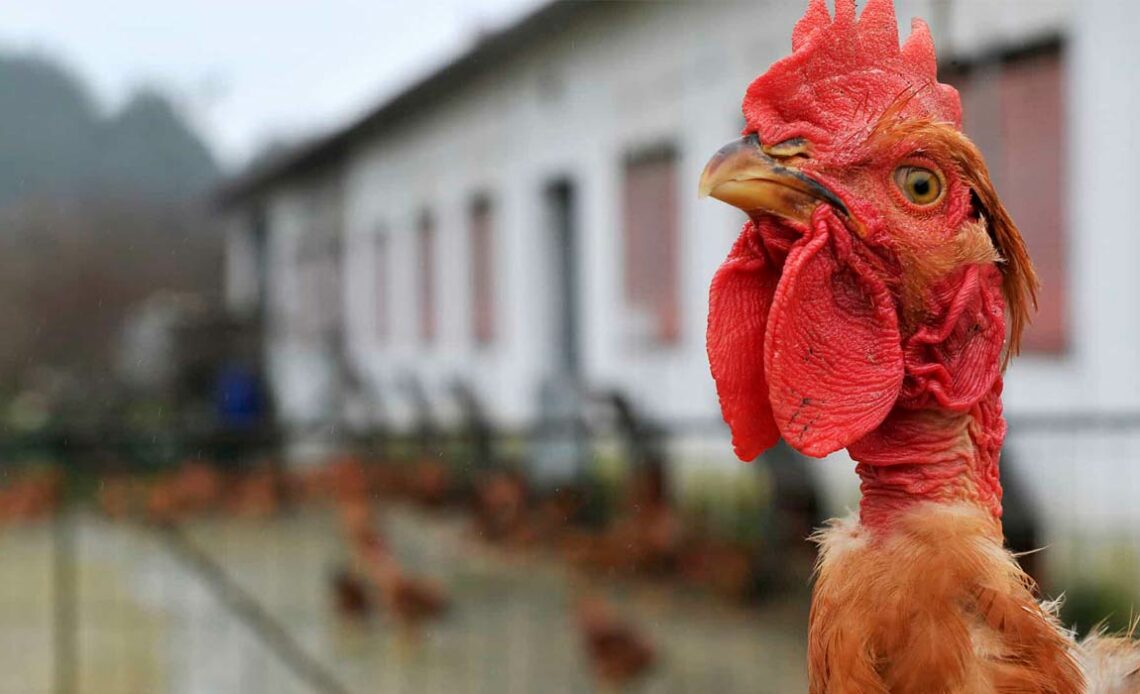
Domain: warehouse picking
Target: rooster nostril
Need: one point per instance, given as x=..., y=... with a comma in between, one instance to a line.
x=789, y=149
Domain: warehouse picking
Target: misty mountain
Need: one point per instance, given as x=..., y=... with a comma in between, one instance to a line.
x=55, y=142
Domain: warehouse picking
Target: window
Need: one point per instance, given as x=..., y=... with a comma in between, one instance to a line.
x=1015, y=111
x=427, y=278
x=482, y=272
x=380, y=273
x=651, y=243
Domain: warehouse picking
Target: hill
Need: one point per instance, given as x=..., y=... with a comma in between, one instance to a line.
x=54, y=142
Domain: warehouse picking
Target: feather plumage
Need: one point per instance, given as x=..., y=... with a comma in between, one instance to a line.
x=936, y=605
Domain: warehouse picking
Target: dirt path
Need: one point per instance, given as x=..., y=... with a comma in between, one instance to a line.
x=149, y=625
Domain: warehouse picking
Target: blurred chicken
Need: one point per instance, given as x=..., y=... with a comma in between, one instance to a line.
x=725, y=568
x=350, y=596
x=500, y=507
x=163, y=503
x=256, y=494
x=555, y=514
x=388, y=479
x=33, y=495
x=195, y=488
x=198, y=486
x=618, y=654
x=431, y=482
x=507, y=511
x=118, y=496
x=348, y=480
x=646, y=537
x=309, y=484
x=411, y=601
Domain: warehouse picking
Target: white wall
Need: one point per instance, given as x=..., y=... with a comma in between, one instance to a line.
x=573, y=108
x=676, y=72
x=1090, y=482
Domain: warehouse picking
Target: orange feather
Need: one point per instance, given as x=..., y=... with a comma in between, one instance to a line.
x=932, y=604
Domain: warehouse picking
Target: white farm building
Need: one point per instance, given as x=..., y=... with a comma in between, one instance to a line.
x=525, y=220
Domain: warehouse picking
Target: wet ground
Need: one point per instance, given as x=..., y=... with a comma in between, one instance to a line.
x=149, y=623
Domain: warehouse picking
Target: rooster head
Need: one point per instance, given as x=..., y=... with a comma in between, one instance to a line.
x=878, y=267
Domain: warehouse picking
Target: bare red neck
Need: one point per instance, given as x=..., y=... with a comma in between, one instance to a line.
x=932, y=455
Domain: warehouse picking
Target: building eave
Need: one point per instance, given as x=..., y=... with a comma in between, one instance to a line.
x=328, y=151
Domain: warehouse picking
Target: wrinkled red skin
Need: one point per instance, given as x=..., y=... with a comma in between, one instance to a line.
x=921, y=412
x=821, y=333
x=943, y=440
x=912, y=458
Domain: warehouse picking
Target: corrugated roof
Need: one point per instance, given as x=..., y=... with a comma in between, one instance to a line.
x=490, y=51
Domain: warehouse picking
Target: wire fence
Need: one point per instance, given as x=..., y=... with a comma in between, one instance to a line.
x=108, y=586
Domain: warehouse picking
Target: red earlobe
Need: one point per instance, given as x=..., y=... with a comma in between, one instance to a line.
x=739, y=300
x=832, y=354
x=954, y=360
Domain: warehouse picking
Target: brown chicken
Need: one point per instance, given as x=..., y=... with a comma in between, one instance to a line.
x=118, y=496
x=351, y=600
x=865, y=306
x=431, y=482
x=501, y=507
x=33, y=495
x=646, y=537
x=163, y=502
x=410, y=600
x=199, y=486
x=195, y=488
x=256, y=494
x=619, y=655
x=347, y=480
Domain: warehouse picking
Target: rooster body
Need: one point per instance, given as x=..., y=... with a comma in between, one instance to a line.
x=871, y=304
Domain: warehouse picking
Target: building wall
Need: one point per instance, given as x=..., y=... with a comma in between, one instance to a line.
x=643, y=74
x=575, y=108
x=1089, y=481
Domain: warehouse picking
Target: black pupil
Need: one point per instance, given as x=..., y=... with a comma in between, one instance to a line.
x=921, y=186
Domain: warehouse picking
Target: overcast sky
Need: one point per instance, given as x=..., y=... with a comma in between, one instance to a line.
x=251, y=71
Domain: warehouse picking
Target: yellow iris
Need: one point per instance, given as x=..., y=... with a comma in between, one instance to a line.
x=920, y=186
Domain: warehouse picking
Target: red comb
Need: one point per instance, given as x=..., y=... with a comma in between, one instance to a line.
x=845, y=72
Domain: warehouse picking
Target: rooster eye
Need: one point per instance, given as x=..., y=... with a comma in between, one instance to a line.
x=920, y=186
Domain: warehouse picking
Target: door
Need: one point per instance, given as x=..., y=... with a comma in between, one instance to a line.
x=564, y=251
x=560, y=454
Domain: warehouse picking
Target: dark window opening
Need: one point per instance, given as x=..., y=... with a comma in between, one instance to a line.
x=652, y=282
x=482, y=271
x=427, y=278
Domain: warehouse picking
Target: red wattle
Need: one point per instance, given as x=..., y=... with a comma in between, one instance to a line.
x=832, y=353
x=739, y=301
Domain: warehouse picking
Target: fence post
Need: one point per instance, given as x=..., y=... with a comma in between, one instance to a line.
x=65, y=617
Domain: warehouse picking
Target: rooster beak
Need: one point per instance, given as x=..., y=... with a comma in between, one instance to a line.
x=743, y=175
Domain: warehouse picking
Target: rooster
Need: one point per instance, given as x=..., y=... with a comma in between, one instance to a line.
x=871, y=303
